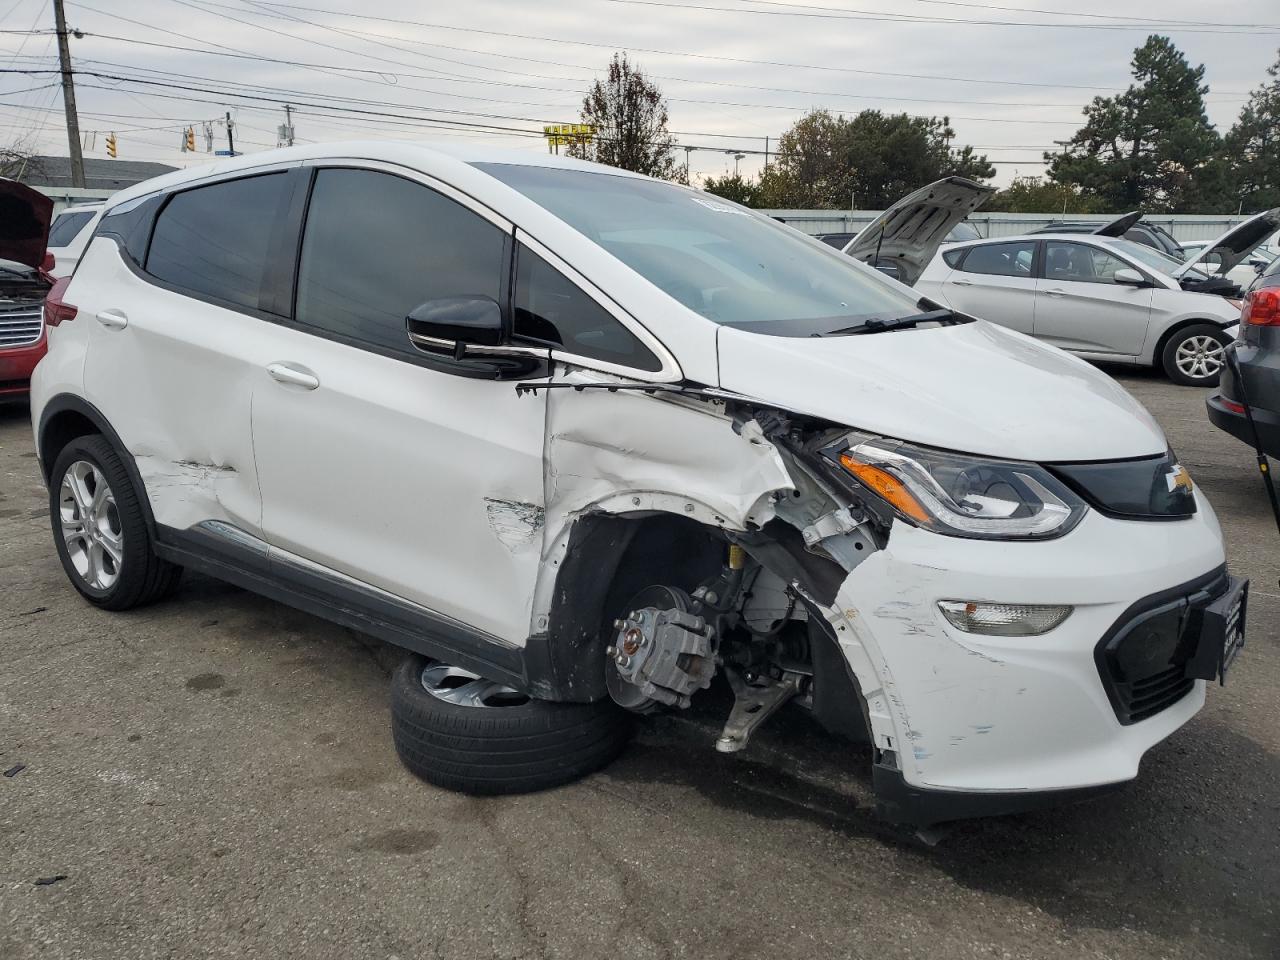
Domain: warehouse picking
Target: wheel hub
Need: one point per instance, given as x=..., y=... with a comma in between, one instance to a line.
x=90, y=525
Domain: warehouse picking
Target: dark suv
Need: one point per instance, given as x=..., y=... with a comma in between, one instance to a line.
x=1258, y=355
x=1145, y=233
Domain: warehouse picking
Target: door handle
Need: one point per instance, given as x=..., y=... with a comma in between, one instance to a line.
x=1055, y=293
x=963, y=283
x=293, y=375
x=113, y=319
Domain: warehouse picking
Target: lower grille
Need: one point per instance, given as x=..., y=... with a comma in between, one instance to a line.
x=20, y=324
x=1143, y=658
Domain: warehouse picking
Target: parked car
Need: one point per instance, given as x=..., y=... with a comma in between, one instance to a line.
x=583, y=441
x=1102, y=298
x=24, y=228
x=1258, y=356
x=1129, y=227
x=69, y=235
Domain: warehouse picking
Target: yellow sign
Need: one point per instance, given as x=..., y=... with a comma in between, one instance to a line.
x=567, y=133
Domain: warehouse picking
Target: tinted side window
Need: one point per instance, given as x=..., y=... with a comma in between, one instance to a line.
x=1080, y=263
x=1001, y=259
x=66, y=226
x=216, y=240
x=376, y=245
x=549, y=308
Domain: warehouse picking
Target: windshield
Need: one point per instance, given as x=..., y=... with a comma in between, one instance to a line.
x=729, y=264
x=67, y=225
x=1155, y=259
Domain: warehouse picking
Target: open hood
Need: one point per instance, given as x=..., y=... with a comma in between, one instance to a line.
x=975, y=388
x=1237, y=243
x=908, y=234
x=1119, y=226
x=24, y=223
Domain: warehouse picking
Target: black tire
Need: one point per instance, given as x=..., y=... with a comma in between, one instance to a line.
x=1169, y=355
x=141, y=577
x=520, y=748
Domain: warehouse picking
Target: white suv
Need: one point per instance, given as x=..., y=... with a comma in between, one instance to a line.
x=582, y=441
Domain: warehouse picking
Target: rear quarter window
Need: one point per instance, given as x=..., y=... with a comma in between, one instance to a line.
x=952, y=258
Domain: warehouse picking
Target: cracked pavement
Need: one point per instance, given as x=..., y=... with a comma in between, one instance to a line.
x=214, y=777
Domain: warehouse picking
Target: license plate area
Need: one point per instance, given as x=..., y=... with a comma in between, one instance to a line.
x=1222, y=633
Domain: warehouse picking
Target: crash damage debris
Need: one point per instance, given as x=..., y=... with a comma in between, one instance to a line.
x=49, y=881
x=16, y=769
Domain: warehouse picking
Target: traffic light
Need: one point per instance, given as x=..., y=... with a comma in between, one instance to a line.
x=111, y=144
x=189, y=140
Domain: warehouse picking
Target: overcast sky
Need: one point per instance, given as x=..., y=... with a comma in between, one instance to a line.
x=735, y=71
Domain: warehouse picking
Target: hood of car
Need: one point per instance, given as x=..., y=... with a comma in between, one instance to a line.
x=974, y=387
x=1237, y=243
x=24, y=223
x=1120, y=225
x=909, y=233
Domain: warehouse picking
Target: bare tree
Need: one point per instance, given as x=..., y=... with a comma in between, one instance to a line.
x=630, y=119
x=18, y=161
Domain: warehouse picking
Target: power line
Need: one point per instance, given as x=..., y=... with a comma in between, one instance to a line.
x=675, y=53
x=833, y=13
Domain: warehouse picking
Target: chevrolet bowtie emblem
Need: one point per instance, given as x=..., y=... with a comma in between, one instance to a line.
x=1179, y=477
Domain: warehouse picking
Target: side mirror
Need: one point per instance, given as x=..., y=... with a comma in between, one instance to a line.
x=1130, y=278
x=452, y=323
x=1259, y=266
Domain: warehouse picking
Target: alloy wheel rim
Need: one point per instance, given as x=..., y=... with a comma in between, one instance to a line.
x=1200, y=357
x=466, y=689
x=90, y=524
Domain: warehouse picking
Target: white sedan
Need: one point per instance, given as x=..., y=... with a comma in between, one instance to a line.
x=1102, y=298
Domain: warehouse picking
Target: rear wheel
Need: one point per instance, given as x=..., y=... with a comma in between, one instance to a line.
x=100, y=531
x=1194, y=356
x=459, y=731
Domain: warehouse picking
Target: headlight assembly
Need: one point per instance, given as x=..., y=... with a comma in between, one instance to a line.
x=958, y=494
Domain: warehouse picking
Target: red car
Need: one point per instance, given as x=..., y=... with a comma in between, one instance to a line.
x=24, y=281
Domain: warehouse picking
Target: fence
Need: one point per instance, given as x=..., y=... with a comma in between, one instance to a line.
x=1186, y=227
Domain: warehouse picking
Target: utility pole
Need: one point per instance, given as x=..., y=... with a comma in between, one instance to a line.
x=285, y=139
x=231, y=143
x=69, y=97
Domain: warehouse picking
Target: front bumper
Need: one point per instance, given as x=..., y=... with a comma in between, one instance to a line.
x=16, y=365
x=1001, y=723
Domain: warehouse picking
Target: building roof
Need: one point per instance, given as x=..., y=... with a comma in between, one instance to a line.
x=99, y=174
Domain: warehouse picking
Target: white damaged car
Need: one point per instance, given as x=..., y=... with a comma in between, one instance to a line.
x=583, y=441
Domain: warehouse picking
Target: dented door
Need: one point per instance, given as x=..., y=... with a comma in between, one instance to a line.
x=418, y=482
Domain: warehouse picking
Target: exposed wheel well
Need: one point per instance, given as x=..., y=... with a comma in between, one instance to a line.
x=61, y=429
x=610, y=558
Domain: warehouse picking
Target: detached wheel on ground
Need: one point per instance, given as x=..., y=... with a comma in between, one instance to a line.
x=459, y=731
x=1193, y=356
x=100, y=530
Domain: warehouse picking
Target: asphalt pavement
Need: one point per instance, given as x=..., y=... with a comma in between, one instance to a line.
x=214, y=777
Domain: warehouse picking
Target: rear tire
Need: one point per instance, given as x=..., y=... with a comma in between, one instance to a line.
x=490, y=739
x=1193, y=356
x=100, y=529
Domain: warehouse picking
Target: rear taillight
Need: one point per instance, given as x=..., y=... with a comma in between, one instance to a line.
x=1262, y=308
x=56, y=310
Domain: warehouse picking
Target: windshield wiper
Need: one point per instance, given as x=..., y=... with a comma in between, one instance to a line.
x=880, y=325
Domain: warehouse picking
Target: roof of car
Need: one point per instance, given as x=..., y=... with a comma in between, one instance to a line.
x=411, y=153
x=1073, y=237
